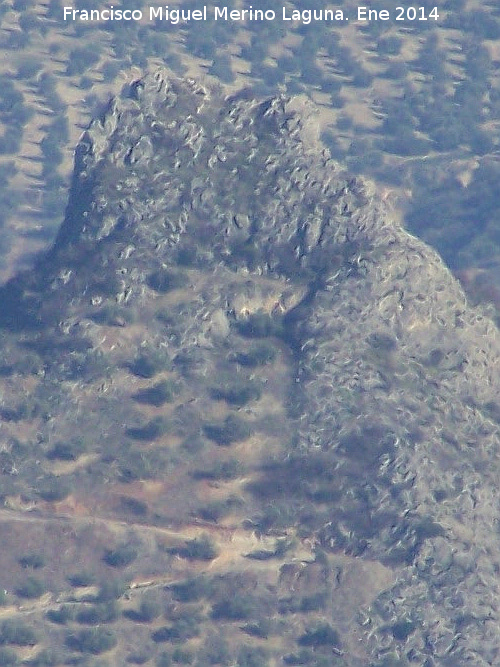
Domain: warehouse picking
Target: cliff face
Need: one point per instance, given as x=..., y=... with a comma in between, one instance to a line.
x=219, y=283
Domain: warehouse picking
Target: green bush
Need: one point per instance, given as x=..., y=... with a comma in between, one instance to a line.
x=134, y=506
x=149, y=609
x=322, y=635
x=239, y=607
x=80, y=59
x=54, y=489
x=157, y=395
x=94, y=640
x=147, y=364
x=237, y=393
x=81, y=579
x=199, y=548
x=32, y=588
x=33, y=561
x=96, y=614
x=182, y=630
x=62, y=615
x=262, y=628
x=121, y=556
x=164, y=281
x=111, y=589
x=112, y=315
x=260, y=325
x=260, y=354
x=182, y=657
x=192, y=590
x=151, y=430
x=13, y=631
x=67, y=451
x=224, y=470
x=215, y=510
x=252, y=656
x=233, y=429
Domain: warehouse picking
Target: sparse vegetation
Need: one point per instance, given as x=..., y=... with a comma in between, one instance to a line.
x=62, y=615
x=447, y=107
x=94, y=640
x=120, y=556
x=222, y=470
x=16, y=632
x=199, y=548
x=233, y=429
x=151, y=430
x=164, y=280
x=147, y=364
x=32, y=561
x=238, y=393
x=157, y=395
x=260, y=354
x=31, y=588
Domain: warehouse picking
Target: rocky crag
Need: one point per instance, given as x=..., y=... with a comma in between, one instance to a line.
x=222, y=291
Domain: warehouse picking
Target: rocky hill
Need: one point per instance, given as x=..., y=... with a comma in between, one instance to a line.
x=252, y=419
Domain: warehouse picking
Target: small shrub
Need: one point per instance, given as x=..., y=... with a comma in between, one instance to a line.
x=62, y=615
x=164, y=281
x=237, y=608
x=32, y=588
x=237, y=394
x=259, y=325
x=262, y=629
x=252, y=656
x=260, y=354
x=66, y=451
x=147, y=364
x=322, y=635
x=81, y=579
x=215, y=510
x=149, y=609
x=13, y=631
x=180, y=631
x=94, y=640
x=54, y=489
x=151, y=430
x=199, y=548
x=121, y=556
x=134, y=506
x=111, y=589
x=403, y=629
x=112, y=315
x=233, y=429
x=224, y=470
x=191, y=590
x=33, y=561
x=182, y=657
x=157, y=395
x=99, y=613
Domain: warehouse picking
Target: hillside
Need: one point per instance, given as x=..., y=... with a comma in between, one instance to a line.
x=247, y=418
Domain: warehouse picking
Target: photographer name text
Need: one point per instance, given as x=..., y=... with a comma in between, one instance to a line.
x=285, y=14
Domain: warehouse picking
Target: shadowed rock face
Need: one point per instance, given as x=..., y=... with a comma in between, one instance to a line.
x=196, y=224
